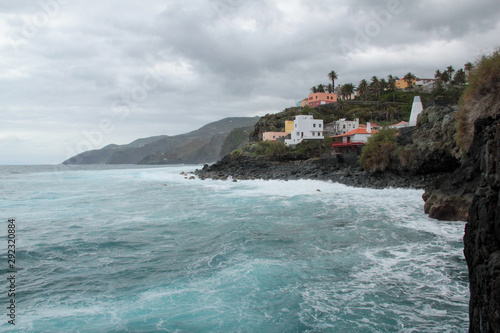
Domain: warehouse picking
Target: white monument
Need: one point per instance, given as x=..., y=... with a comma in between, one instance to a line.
x=415, y=110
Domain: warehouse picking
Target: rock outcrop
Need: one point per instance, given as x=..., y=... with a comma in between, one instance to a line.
x=482, y=232
x=241, y=167
x=472, y=192
x=430, y=146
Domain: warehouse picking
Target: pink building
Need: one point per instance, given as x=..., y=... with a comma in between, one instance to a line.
x=273, y=136
x=320, y=98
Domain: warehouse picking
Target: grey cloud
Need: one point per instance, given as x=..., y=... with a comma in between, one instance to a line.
x=213, y=58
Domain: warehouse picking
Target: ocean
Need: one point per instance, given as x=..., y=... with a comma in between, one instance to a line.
x=143, y=249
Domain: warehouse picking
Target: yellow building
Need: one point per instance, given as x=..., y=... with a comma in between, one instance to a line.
x=289, y=126
x=402, y=84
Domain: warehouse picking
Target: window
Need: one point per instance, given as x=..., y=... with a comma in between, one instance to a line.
x=295, y=125
x=298, y=133
x=319, y=125
x=314, y=125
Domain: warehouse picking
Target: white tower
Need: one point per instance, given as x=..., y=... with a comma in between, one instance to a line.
x=415, y=110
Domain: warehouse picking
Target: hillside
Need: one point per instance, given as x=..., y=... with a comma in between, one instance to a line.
x=200, y=146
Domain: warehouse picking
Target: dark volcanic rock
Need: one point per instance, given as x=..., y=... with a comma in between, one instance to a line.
x=482, y=232
x=430, y=146
x=328, y=169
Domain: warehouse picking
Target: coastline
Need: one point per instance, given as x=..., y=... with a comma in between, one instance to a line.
x=251, y=168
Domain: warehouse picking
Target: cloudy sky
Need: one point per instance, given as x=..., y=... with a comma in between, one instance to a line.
x=78, y=75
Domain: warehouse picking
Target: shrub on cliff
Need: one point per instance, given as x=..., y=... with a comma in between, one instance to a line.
x=380, y=152
x=481, y=98
x=269, y=148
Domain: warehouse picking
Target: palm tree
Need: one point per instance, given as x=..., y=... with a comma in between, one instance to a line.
x=391, y=82
x=363, y=87
x=383, y=84
x=375, y=85
x=459, y=77
x=409, y=79
x=348, y=90
x=438, y=74
x=333, y=76
x=445, y=76
x=450, y=71
x=320, y=88
x=329, y=88
x=314, y=89
x=468, y=67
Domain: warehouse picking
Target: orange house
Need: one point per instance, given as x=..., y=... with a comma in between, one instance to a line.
x=402, y=84
x=320, y=98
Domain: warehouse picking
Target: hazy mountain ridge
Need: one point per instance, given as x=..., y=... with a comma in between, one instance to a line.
x=200, y=146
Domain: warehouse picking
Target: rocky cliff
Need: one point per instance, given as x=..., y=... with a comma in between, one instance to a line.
x=482, y=232
x=471, y=192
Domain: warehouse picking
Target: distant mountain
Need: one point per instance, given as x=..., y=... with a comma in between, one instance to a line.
x=200, y=146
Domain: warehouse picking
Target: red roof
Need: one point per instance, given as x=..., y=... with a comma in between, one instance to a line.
x=371, y=124
x=356, y=131
x=400, y=123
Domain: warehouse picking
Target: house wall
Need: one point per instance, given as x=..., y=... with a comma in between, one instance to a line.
x=401, y=84
x=306, y=127
x=289, y=126
x=273, y=136
x=343, y=126
x=360, y=137
x=316, y=99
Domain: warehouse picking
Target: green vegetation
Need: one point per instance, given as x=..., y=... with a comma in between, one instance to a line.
x=480, y=99
x=269, y=148
x=380, y=152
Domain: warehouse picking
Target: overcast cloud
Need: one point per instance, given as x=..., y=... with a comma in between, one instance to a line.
x=78, y=75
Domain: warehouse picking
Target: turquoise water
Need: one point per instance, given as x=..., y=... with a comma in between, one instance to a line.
x=104, y=249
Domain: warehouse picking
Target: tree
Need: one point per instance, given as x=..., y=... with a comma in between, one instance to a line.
x=320, y=88
x=329, y=88
x=438, y=74
x=391, y=82
x=459, y=77
x=314, y=89
x=333, y=76
x=383, y=84
x=363, y=87
x=445, y=76
x=409, y=78
x=375, y=85
x=450, y=71
x=347, y=90
x=468, y=67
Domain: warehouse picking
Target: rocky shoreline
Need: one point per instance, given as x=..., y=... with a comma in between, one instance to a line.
x=250, y=168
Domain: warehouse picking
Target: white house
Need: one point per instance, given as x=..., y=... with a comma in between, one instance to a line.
x=305, y=128
x=343, y=126
x=358, y=136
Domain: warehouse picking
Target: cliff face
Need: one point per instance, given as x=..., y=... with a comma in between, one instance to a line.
x=482, y=232
x=471, y=193
x=430, y=146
